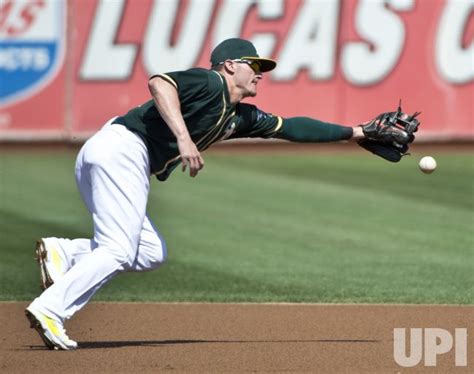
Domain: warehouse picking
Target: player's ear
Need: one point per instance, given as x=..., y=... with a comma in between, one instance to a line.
x=229, y=66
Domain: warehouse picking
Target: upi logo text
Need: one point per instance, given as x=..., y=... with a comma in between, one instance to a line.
x=429, y=342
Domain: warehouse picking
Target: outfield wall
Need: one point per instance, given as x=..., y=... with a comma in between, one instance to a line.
x=68, y=66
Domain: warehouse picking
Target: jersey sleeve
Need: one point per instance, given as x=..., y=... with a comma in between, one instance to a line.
x=255, y=123
x=311, y=130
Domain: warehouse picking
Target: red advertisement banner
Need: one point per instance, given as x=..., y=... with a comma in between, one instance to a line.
x=342, y=61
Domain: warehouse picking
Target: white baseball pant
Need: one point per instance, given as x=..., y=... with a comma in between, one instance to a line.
x=113, y=177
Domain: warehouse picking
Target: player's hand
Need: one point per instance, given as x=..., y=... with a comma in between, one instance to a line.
x=390, y=133
x=190, y=156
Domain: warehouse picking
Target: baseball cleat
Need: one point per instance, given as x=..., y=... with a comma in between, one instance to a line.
x=51, y=264
x=50, y=331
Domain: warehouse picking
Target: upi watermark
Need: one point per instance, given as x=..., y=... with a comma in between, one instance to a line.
x=428, y=343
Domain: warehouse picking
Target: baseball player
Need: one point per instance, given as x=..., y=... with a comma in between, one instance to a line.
x=189, y=111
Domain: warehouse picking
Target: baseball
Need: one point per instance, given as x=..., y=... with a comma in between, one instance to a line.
x=427, y=164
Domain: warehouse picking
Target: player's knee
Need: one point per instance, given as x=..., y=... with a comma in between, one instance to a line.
x=151, y=253
x=123, y=257
x=123, y=252
x=158, y=254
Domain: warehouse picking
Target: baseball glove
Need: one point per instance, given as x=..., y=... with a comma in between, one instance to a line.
x=389, y=134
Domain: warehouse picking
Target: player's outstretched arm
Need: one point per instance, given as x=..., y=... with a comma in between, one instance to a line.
x=309, y=130
x=167, y=102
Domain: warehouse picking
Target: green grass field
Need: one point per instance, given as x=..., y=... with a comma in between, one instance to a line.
x=346, y=228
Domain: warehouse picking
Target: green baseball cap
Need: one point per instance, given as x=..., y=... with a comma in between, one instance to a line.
x=240, y=49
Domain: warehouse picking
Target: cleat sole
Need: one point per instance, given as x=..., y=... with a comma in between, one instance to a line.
x=35, y=324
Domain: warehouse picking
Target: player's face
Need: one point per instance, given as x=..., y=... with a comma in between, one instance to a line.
x=247, y=75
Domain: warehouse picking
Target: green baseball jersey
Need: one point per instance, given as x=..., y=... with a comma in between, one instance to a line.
x=207, y=112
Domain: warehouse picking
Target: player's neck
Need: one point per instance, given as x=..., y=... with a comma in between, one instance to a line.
x=235, y=93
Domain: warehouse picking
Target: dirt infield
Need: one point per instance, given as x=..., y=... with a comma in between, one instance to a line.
x=225, y=338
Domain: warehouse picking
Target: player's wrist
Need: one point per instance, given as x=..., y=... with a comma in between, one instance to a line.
x=181, y=133
x=357, y=133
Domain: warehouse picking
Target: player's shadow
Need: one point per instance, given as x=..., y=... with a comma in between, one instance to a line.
x=151, y=343
x=157, y=343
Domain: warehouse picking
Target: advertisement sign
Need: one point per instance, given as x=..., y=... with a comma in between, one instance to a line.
x=341, y=61
x=32, y=51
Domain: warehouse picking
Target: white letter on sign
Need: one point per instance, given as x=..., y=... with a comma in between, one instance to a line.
x=454, y=63
x=159, y=55
x=311, y=42
x=399, y=347
x=369, y=62
x=103, y=59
